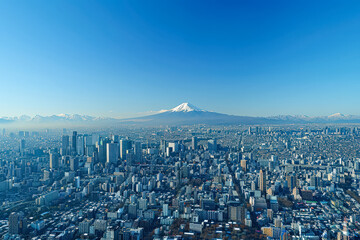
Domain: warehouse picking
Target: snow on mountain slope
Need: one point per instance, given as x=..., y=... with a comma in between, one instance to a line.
x=186, y=107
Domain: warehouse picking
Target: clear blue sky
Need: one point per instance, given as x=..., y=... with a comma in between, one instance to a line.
x=123, y=58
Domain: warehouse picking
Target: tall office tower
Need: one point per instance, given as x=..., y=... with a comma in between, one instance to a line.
x=73, y=142
x=112, y=152
x=54, y=161
x=291, y=181
x=74, y=163
x=124, y=145
x=80, y=145
x=137, y=151
x=194, y=143
x=101, y=147
x=22, y=146
x=262, y=181
x=89, y=146
x=212, y=145
x=89, y=150
x=14, y=223
x=163, y=146
x=314, y=181
x=88, y=140
x=243, y=165
x=65, y=145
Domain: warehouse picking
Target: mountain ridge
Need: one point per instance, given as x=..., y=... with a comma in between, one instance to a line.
x=185, y=113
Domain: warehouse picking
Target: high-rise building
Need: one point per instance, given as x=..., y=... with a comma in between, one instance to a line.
x=163, y=146
x=88, y=140
x=262, y=181
x=165, y=211
x=236, y=212
x=124, y=145
x=137, y=151
x=212, y=145
x=65, y=145
x=112, y=152
x=243, y=164
x=84, y=226
x=22, y=146
x=101, y=147
x=73, y=142
x=54, y=161
x=80, y=145
x=314, y=181
x=291, y=181
x=74, y=163
x=14, y=223
x=194, y=143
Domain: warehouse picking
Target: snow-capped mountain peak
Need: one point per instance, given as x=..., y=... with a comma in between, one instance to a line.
x=186, y=107
x=336, y=115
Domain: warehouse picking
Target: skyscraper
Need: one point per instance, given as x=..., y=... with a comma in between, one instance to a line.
x=54, y=161
x=22, y=146
x=124, y=145
x=112, y=152
x=14, y=223
x=65, y=145
x=80, y=145
x=73, y=142
x=101, y=147
x=262, y=181
x=243, y=164
x=194, y=143
x=74, y=163
x=137, y=151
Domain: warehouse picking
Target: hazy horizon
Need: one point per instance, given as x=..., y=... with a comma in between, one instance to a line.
x=152, y=112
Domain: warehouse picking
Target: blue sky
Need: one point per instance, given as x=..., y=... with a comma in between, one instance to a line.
x=124, y=58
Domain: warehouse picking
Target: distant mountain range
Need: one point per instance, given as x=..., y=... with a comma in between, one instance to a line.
x=185, y=113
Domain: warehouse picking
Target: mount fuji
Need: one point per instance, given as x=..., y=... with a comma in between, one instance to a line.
x=186, y=113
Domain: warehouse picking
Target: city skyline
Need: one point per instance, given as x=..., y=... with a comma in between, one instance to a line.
x=117, y=59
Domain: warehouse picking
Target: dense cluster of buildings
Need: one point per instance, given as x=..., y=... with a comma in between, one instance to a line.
x=190, y=182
